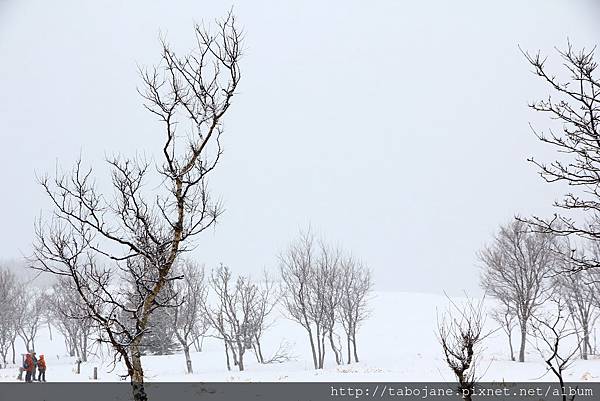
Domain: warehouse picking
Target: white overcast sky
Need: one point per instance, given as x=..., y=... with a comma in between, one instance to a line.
x=397, y=129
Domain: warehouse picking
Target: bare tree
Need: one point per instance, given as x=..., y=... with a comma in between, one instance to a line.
x=579, y=298
x=32, y=318
x=323, y=288
x=461, y=334
x=71, y=317
x=303, y=292
x=19, y=309
x=233, y=316
x=574, y=104
x=356, y=285
x=187, y=317
x=504, y=315
x=329, y=287
x=266, y=300
x=551, y=329
x=516, y=269
x=91, y=237
x=9, y=312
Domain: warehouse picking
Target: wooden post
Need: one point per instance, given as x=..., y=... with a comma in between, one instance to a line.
x=95, y=373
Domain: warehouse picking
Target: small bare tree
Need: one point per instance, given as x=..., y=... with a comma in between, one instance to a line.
x=266, y=300
x=579, y=298
x=72, y=319
x=328, y=274
x=516, y=269
x=356, y=285
x=551, y=329
x=233, y=316
x=322, y=289
x=19, y=308
x=10, y=294
x=187, y=317
x=32, y=318
x=504, y=315
x=91, y=237
x=303, y=292
x=461, y=334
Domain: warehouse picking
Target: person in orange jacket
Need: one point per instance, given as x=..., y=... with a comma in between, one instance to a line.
x=28, y=367
x=41, y=369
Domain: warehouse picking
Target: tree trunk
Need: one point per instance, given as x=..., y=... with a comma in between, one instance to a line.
x=354, y=347
x=312, y=347
x=322, y=360
x=227, y=355
x=14, y=355
x=348, y=349
x=261, y=359
x=338, y=358
x=198, y=343
x=523, y=340
x=84, y=349
x=188, y=359
x=139, y=393
x=50, y=330
x=137, y=375
x=76, y=347
x=319, y=348
x=241, y=350
x=586, y=340
x=233, y=354
x=465, y=388
x=512, y=351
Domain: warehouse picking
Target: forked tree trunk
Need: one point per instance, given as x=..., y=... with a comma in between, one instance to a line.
x=322, y=359
x=585, y=343
x=338, y=358
x=320, y=337
x=234, y=354
x=198, y=343
x=188, y=359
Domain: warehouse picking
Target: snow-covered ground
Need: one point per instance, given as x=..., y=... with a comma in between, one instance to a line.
x=398, y=343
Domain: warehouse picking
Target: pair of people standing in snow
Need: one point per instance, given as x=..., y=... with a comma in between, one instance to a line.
x=31, y=365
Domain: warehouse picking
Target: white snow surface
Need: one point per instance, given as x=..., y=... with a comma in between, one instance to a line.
x=397, y=343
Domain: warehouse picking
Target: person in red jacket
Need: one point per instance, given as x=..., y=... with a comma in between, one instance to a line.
x=28, y=367
x=41, y=369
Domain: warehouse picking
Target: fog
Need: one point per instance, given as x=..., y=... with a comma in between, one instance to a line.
x=399, y=130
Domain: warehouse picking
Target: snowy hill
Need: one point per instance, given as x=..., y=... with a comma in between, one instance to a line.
x=397, y=343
